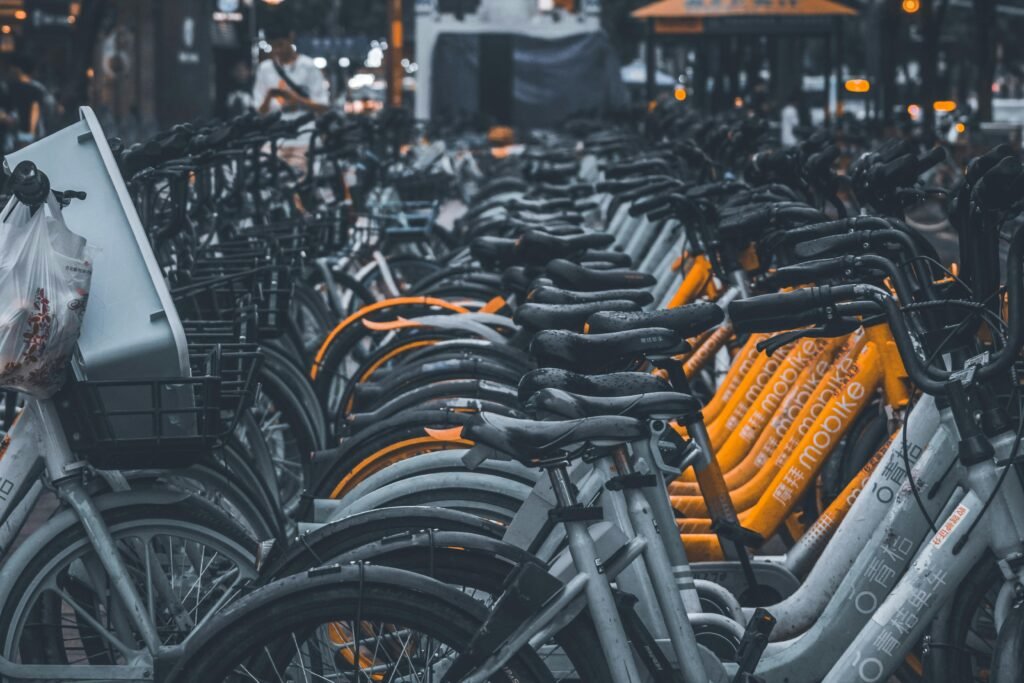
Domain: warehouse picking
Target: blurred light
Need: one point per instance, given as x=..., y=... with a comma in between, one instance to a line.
x=944, y=105
x=858, y=85
x=911, y=6
x=5, y=29
x=680, y=93
x=405, y=62
x=361, y=81
x=374, y=58
x=738, y=102
x=273, y=2
x=344, y=62
x=995, y=88
x=960, y=127
x=90, y=72
x=72, y=18
x=914, y=110
x=21, y=15
x=320, y=62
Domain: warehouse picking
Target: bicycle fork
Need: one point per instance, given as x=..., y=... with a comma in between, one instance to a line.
x=65, y=473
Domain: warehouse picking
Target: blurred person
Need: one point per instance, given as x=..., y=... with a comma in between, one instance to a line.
x=22, y=100
x=49, y=109
x=239, y=99
x=790, y=119
x=291, y=83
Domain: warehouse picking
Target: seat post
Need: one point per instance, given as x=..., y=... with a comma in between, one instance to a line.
x=600, y=599
x=565, y=491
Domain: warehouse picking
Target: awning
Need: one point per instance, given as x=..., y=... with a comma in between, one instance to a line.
x=740, y=16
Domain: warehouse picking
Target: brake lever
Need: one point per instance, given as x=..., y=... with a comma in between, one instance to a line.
x=837, y=327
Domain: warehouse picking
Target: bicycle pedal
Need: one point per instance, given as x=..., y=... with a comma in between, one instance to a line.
x=753, y=644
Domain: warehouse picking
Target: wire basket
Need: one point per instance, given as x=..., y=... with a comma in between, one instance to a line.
x=268, y=288
x=157, y=423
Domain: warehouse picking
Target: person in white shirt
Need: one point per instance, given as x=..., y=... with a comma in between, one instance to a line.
x=790, y=120
x=291, y=83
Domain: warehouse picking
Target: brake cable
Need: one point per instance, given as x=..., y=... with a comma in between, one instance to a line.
x=904, y=450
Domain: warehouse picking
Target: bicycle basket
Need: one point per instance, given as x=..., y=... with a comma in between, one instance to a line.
x=218, y=298
x=161, y=423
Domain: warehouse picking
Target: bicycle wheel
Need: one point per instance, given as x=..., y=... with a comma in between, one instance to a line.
x=311, y=317
x=289, y=433
x=354, y=624
x=963, y=642
x=187, y=561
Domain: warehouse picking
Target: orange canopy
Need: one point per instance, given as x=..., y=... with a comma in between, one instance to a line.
x=723, y=9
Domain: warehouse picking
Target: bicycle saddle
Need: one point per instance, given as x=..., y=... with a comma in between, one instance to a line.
x=566, y=316
x=567, y=405
x=598, y=353
x=540, y=205
x=517, y=279
x=612, y=384
x=616, y=258
x=572, y=276
x=539, y=247
x=688, y=321
x=533, y=441
x=549, y=294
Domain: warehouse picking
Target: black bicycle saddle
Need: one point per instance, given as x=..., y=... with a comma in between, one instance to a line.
x=599, y=353
x=533, y=441
x=689, y=320
x=567, y=405
x=565, y=316
x=573, y=276
x=612, y=384
x=548, y=294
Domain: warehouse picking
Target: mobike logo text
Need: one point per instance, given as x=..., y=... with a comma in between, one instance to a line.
x=755, y=389
x=844, y=369
x=786, y=419
x=789, y=411
x=770, y=400
x=840, y=413
x=846, y=406
x=744, y=368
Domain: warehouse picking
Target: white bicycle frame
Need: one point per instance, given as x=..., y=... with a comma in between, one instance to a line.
x=38, y=444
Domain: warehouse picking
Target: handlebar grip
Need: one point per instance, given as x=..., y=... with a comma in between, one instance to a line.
x=854, y=241
x=644, y=206
x=787, y=310
x=614, y=186
x=803, y=273
x=995, y=189
x=634, y=167
x=661, y=213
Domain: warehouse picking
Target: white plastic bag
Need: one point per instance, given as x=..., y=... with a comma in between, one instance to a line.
x=45, y=272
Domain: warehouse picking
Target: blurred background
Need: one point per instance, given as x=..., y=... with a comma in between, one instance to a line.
x=952, y=66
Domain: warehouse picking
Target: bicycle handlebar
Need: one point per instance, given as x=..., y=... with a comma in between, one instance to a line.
x=816, y=305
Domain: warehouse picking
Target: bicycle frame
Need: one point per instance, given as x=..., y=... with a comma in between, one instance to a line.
x=871, y=580
x=38, y=443
x=588, y=585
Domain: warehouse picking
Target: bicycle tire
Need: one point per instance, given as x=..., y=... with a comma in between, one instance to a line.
x=188, y=516
x=338, y=595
